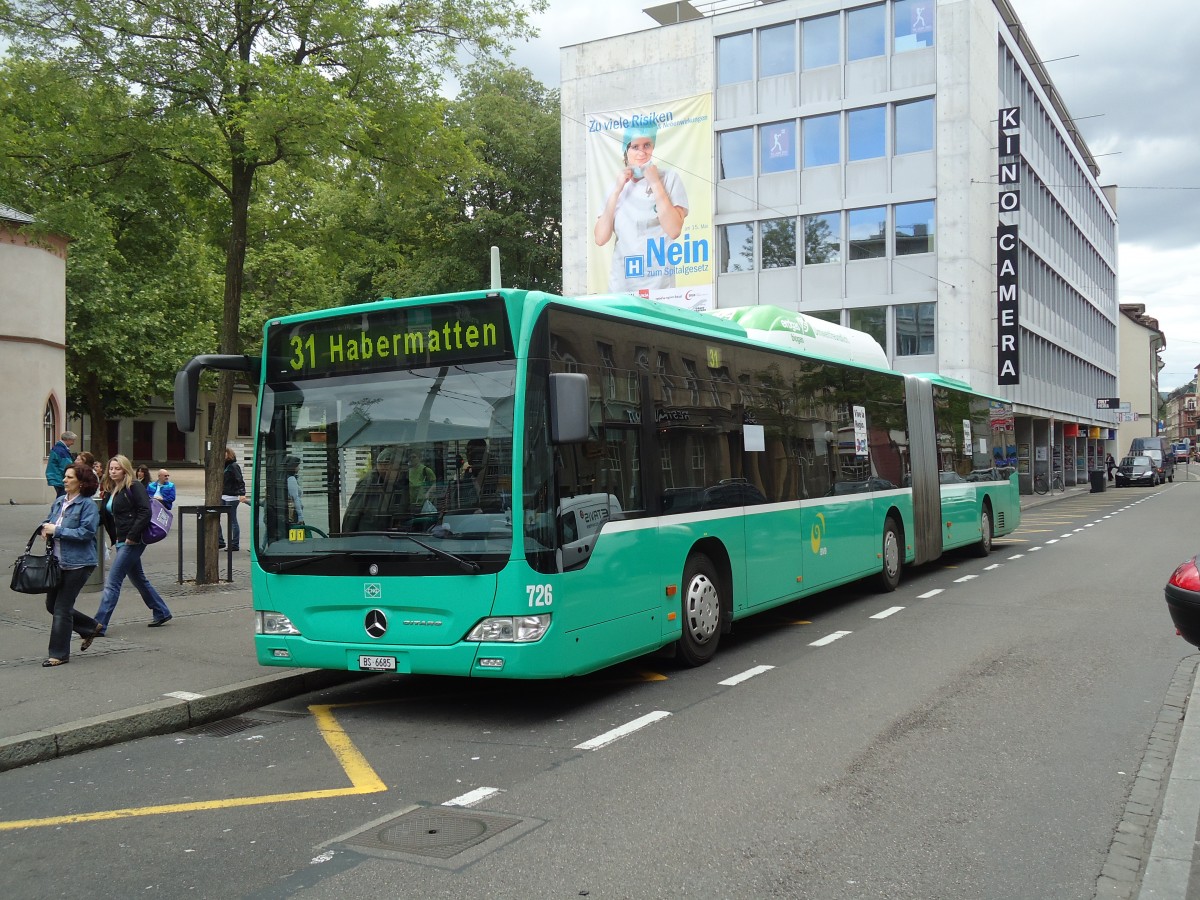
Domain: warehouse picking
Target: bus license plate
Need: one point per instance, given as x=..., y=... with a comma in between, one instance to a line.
x=377, y=663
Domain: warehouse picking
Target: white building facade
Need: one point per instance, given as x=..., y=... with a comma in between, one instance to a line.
x=905, y=168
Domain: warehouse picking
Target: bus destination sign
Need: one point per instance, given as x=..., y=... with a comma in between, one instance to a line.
x=387, y=339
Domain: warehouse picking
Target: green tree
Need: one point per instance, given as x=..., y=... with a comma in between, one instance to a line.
x=141, y=296
x=230, y=90
x=512, y=199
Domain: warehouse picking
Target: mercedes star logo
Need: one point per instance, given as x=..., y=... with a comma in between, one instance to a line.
x=376, y=623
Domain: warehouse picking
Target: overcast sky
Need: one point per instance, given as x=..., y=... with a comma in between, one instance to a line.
x=1134, y=66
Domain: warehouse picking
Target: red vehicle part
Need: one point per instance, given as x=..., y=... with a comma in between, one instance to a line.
x=1183, y=600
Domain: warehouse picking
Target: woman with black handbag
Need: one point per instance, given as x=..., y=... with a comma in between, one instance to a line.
x=72, y=525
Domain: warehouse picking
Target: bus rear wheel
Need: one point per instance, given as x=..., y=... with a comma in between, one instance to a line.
x=888, y=578
x=701, y=606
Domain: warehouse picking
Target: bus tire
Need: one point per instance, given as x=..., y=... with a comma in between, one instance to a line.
x=984, y=546
x=701, y=608
x=888, y=578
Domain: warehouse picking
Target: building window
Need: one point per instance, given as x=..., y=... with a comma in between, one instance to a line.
x=735, y=55
x=778, y=241
x=245, y=419
x=820, y=42
x=915, y=329
x=866, y=133
x=777, y=147
x=865, y=30
x=915, y=228
x=822, y=238
x=777, y=50
x=737, y=153
x=49, y=438
x=913, y=24
x=871, y=320
x=822, y=140
x=833, y=316
x=737, y=248
x=914, y=126
x=866, y=232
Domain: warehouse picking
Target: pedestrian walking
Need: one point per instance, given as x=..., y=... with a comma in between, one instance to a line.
x=126, y=515
x=143, y=475
x=72, y=524
x=56, y=463
x=1110, y=466
x=233, y=492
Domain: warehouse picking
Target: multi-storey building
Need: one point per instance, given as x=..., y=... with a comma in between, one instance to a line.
x=906, y=168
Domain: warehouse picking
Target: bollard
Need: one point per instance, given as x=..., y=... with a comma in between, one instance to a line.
x=95, y=581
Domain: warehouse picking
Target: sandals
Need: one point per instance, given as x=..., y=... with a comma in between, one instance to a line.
x=87, y=641
x=51, y=661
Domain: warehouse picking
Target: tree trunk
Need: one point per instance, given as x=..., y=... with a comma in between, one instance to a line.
x=214, y=463
x=98, y=446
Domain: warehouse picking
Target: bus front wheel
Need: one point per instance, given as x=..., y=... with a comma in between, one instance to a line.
x=888, y=578
x=701, y=605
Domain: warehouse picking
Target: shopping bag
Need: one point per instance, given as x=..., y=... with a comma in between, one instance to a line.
x=36, y=574
x=160, y=522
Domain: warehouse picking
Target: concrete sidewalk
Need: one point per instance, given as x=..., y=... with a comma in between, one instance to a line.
x=136, y=681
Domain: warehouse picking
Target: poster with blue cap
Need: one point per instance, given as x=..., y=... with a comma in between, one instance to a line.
x=650, y=202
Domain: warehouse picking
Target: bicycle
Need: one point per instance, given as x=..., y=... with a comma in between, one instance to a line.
x=1042, y=484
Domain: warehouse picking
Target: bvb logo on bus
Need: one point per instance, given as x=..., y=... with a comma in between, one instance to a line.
x=818, y=532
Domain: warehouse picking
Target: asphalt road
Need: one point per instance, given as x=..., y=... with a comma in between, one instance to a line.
x=975, y=734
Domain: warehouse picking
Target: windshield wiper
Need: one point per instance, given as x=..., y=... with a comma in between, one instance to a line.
x=301, y=561
x=466, y=565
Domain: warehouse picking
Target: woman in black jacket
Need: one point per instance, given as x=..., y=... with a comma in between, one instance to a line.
x=126, y=514
x=233, y=492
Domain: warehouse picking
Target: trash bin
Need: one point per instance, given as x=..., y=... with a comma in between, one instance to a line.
x=1099, y=480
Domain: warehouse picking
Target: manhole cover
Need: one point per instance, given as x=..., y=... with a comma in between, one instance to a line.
x=437, y=832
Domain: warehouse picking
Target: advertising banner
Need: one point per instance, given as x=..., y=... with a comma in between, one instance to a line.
x=649, y=187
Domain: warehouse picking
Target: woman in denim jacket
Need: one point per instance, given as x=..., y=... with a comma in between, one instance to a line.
x=72, y=524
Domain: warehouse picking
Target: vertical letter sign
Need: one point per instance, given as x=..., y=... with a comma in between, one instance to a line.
x=1008, y=358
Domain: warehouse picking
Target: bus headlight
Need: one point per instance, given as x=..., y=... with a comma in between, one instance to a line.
x=267, y=621
x=510, y=629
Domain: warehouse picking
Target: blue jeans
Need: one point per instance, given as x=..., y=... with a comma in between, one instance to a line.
x=60, y=603
x=235, y=533
x=127, y=562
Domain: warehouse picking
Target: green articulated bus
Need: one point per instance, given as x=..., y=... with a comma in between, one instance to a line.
x=517, y=485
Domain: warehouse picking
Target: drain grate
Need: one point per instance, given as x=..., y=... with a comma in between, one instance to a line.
x=226, y=727
x=435, y=832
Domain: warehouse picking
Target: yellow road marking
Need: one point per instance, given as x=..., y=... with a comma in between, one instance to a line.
x=362, y=777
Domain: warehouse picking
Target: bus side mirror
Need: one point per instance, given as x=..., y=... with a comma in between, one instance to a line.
x=187, y=382
x=569, y=406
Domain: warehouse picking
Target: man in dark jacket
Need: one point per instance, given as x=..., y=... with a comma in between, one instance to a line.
x=60, y=457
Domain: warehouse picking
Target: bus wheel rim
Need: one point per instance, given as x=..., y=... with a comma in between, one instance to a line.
x=891, y=553
x=702, y=609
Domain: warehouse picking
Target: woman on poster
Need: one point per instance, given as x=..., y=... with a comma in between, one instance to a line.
x=645, y=203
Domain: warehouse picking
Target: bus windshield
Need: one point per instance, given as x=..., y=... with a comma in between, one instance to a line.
x=355, y=466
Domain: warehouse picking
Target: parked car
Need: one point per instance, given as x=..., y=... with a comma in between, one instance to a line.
x=1183, y=600
x=1158, y=449
x=1137, y=470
